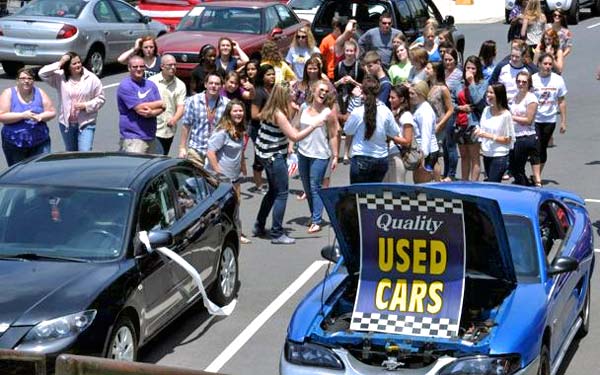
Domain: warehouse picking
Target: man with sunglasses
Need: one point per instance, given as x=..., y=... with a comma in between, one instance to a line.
x=379, y=39
x=139, y=103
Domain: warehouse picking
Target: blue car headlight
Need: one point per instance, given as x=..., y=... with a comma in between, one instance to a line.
x=311, y=355
x=483, y=365
x=62, y=327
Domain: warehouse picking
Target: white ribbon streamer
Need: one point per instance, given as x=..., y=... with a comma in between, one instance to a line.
x=210, y=306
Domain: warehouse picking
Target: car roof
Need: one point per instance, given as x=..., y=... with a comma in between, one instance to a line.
x=110, y=170
x=237, y=3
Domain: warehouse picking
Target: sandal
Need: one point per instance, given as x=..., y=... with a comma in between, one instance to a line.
x=301, y=196
x=314, y=228
x=244, y=240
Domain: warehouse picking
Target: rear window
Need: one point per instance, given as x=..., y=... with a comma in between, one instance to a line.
x=53, y=8
x=365, y=12
x=304, y=4
x=222, y=19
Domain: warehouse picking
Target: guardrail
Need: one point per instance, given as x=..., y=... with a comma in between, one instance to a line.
x=13, y=362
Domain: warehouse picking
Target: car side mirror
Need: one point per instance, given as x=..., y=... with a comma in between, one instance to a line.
x=331, y=253
x=146, y=19
x=449, y=20
x=277, y=31
x=562, y=265
x=157, y=238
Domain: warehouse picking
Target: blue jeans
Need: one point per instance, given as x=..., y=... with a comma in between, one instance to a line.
x=367, y=169
x=78, y=139
x=276, y=196
x=495, y=167
x=312, y=171
x=16, y=154
x=450, y=151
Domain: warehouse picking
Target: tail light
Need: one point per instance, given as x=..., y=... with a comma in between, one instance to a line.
x=66, y=32
x=1, y=32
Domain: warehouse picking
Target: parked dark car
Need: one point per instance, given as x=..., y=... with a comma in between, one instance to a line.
x=407, y=15
x=76, y=278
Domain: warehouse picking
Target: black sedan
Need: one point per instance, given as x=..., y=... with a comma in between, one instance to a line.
x=76, y=278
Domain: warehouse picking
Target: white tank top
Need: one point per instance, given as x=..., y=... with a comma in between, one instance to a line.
x=316, y=145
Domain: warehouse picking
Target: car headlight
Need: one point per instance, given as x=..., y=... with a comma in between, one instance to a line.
x=311, y=355
x=483, y=365
x=65, y=326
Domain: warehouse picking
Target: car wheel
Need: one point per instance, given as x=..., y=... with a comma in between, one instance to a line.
x=95, y=62
x=573, y=15
x=11, y=68
x=544, y=368
x=585, y=315
x=123, y=342
x=226, y=284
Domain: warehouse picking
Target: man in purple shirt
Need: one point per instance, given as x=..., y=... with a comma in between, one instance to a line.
x=139, y=103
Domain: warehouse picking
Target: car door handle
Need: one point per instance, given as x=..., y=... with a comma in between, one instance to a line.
x=107, y=33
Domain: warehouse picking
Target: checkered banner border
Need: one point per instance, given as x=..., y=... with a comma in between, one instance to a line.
x=389, y=201
x=404, y=324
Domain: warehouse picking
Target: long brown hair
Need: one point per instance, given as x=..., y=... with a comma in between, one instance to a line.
x=235, y=131
x=370, y=88
x=278, y=101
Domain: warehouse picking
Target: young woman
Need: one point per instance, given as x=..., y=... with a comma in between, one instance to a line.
x=418, y=59
x=523, y=107
x=400, y=67
x=81, y=96
x=534, y=22
x=399, y=103
x=551, y=91
x=496, y=133
x=550, y=44
x=24, y=111
x=270, y=55
x=468, y=105
x=225, y=149
x=230, y=56
x=440, y=99
x=272, y=147
x=348, y=74
x=207, y=57
x=312, y=73
x=146, y=48
x=318, y=151
x=431, y=44
x=370, y=125
x=454, y=75
x=233, y=89
x=487, y=55
x=425, y=121
x=301, y=49
x=559, y=24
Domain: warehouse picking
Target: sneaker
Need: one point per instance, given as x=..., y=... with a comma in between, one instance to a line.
x=283, y=240
x=259, y=231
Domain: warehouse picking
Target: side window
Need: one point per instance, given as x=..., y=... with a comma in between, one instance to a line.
x=330, y=9
x=419, y=12
x=271, y=19
x=403, y=15
x=188, y=189
x=126, y=13
x=562, y=217
x=104, y=13
x=157, y=209
x=551, y=232
x=287, y=18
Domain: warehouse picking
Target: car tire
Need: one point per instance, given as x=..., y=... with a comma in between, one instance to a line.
x=225, y=287
x=544, y=368
x=11, y=68
x=123, y=343
x=573, y=15
x=585, y=315
x=95, y=61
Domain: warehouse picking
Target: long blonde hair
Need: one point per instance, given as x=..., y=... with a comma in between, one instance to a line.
x=235, y=131
x=310, y=38
x=278, y=101
x=533, y=10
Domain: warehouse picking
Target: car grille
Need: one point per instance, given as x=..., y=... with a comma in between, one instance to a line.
x=185, y=57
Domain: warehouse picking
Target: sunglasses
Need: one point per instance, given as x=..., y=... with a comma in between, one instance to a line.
x=301, y=36
x=521, y=82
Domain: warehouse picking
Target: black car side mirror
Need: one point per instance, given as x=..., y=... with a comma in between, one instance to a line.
x=331, y=253
x=146, y=19
x=449, y=20
x=160, y=238
x=562, y=265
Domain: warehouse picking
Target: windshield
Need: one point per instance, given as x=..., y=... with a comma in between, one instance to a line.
x=230, y=20
x=63, y=222
x=522, y=248
x=305, y=4
x=53, y=8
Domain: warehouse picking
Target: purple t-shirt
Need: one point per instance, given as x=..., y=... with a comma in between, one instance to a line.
x=129, y=94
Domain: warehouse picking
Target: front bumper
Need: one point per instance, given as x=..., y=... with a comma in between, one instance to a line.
x=352, y=366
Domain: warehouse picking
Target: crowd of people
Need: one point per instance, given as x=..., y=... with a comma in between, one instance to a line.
x=375, y=101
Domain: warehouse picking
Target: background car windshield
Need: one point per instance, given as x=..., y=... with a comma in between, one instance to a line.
x=523, y=248
x=63, y=222
x=305, y=4
x=53, y=8
x=233, y=20
x=366, y=13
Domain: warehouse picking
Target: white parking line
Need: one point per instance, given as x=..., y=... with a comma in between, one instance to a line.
x=111, y=85
x=592, y=200
x=262, y=318
x=597, y=250
x=594, y=25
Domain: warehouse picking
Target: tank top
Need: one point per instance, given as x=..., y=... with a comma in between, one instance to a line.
x=270, y=141
x=316, y=144
x=26, y=133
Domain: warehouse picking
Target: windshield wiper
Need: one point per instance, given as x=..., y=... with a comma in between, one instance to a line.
x=35, y=256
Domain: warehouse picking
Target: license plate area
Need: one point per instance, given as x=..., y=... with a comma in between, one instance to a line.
x=25, y=49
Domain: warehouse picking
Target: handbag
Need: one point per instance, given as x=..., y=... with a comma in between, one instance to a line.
x=411, y=156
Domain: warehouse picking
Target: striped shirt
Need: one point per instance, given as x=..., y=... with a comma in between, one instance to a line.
x=270, y=141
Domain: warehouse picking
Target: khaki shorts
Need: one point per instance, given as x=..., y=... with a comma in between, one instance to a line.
x=195, y=157
x=139, y=146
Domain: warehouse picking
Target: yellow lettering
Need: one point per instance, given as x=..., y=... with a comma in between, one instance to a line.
x=398, y=301
x=386, y=254
x=419, y=255
x=383, y=284
x=417, y=295
x=438, y=257
x=436, y=289
x=403, y=264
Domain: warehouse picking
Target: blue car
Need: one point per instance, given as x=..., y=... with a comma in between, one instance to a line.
x=450, y=278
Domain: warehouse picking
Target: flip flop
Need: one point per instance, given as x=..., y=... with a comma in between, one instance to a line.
x=314, y=228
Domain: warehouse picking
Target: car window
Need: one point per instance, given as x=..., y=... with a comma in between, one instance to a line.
x=188, y=189
x=126, y=13
x=523, y=248
x=53, y=8
x=551, y=232
x=104, y=13
x=271, y=19
x=157, y=210
x=419, y=12
x=286, y=17
x=366, y=13
x=221, y=19
x=403, y=15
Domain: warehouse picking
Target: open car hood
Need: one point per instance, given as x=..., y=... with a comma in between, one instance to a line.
x=486, y=242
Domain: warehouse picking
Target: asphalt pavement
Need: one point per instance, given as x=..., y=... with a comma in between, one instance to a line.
x=274, y=278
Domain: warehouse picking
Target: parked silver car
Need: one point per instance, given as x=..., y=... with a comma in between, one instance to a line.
x=98, y=30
